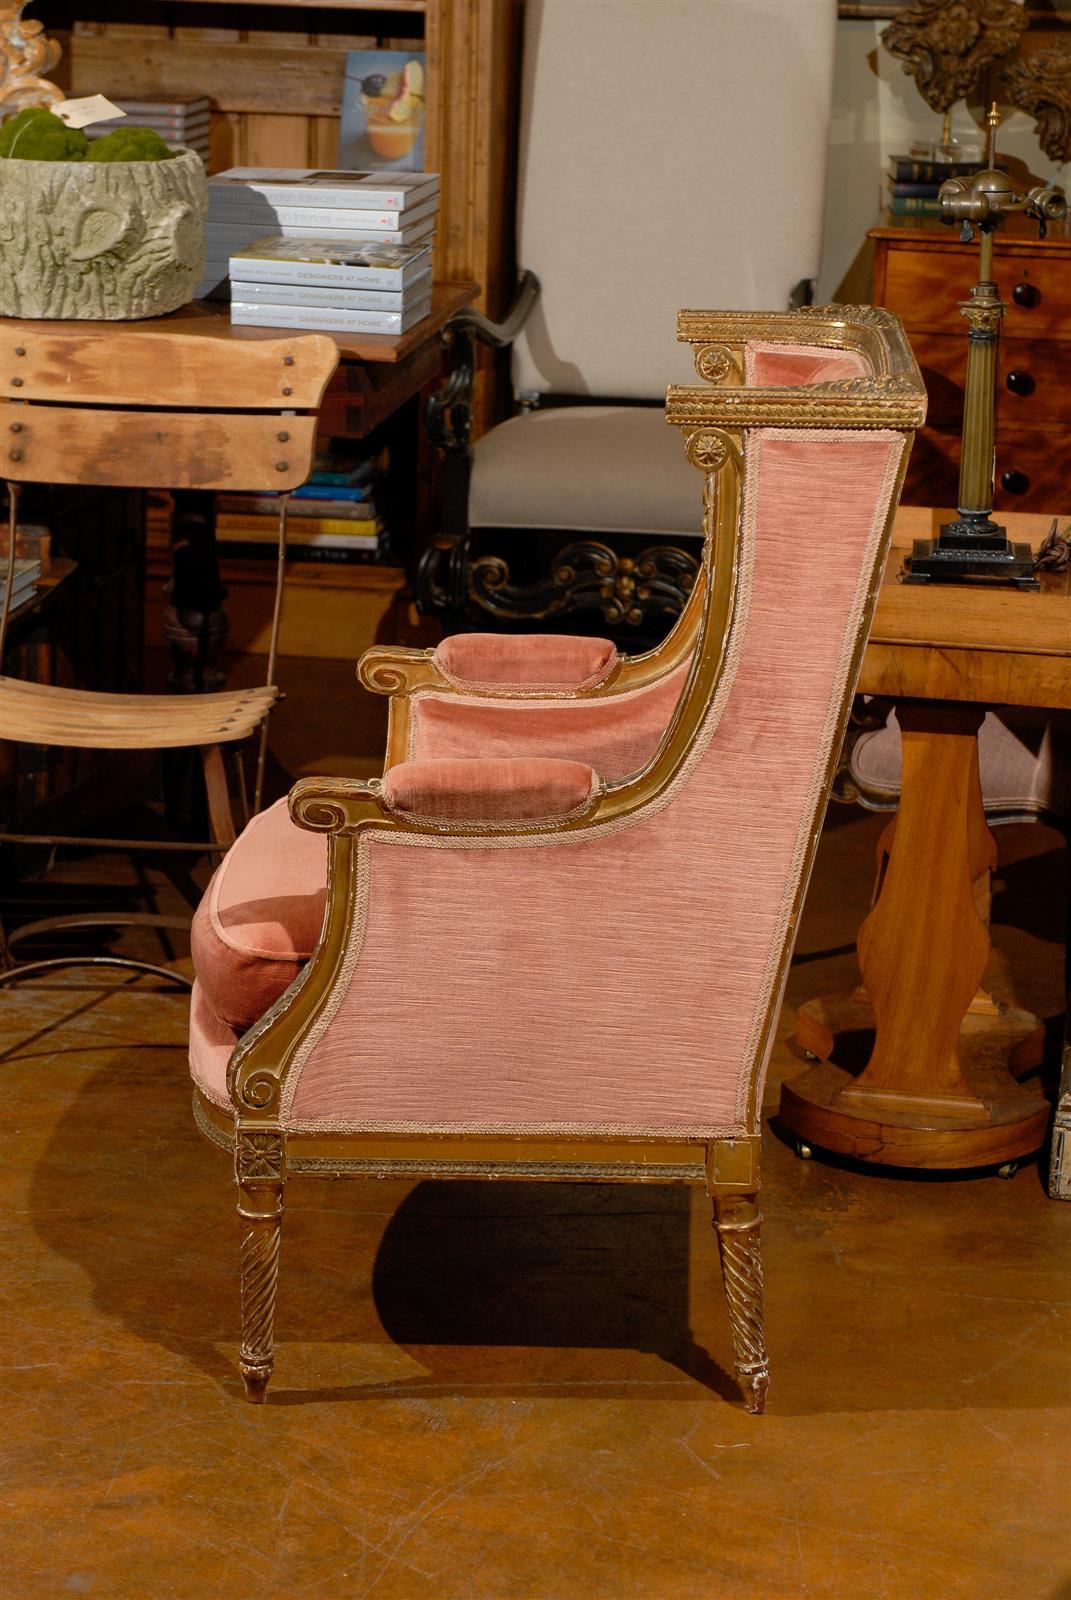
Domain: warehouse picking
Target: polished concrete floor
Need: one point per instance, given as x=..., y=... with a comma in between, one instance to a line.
x=510, y=1392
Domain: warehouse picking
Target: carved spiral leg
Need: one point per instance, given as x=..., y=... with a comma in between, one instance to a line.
x=738, y=1222
x=260, y=1205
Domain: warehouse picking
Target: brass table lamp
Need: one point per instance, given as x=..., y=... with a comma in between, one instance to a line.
x=974, y=546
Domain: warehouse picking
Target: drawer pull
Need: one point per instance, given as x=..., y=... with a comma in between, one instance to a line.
x=1014, y=482
x=1026, y=294
x=1020, y=382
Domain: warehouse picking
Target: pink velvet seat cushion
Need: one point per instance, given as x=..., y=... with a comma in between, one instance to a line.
x=260, y=917
x=556, y=663
x=524, y=789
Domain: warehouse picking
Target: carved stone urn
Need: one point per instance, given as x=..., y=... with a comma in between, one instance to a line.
x=101, y=240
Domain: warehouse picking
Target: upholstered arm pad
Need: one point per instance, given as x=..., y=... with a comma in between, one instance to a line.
x=516, y=790
x=551, y=663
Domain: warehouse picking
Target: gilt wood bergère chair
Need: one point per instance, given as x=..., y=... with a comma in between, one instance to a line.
x=146, y=406
x=436, y=972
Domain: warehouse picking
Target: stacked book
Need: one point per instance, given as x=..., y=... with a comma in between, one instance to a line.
x=247, y=205
x=23, y=582
x=320, y=283
x=179, y=120
x=914, y=182
x=331, y=518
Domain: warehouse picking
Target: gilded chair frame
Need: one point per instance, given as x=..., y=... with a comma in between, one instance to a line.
x=713, y=419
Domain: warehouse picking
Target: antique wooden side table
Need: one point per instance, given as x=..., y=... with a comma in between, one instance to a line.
x=941, y=1087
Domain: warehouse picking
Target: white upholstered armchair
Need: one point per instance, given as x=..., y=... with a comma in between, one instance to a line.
x=671, y=151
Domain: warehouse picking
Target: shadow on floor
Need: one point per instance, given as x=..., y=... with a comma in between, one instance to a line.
x=456, y=1270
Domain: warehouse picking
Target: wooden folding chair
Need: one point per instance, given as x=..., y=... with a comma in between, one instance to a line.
x=144, y=407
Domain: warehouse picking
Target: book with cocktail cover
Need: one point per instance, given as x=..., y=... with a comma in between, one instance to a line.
x=382, y=121
x=327, y=262
x=313, y=186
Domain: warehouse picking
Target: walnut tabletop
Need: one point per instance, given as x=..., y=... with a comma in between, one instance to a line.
x=989, y=646
x=211, y=319
x=946, y=1083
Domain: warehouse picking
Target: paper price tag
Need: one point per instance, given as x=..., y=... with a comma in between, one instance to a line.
x=80, y=113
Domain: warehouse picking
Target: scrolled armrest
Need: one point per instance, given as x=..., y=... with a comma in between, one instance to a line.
x=532, y=665
x=452, y=796
x=540, y=663
x=501, y=334
x=395, y=669
x=512, y=790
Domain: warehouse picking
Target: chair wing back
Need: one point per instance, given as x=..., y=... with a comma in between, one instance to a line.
x=620, y=974
x=670, y=150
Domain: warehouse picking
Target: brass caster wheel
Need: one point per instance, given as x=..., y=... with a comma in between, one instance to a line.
x=804, y=1151
x=1008, y=1170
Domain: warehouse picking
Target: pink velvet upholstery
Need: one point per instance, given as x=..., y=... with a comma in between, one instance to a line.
x=525, y=660
x=614, y=980
x=617, y=736
x=518, y=790
x=260, y=917
x=787, y=365
x=211, y=1042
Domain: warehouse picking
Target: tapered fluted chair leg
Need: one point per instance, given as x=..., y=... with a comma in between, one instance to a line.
x=738, y=1223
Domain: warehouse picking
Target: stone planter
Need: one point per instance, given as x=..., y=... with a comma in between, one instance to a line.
x=98, y=240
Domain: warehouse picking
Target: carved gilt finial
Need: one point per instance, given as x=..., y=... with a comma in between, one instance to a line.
x=1040, y=84
x=945, y=45
x=26, y=54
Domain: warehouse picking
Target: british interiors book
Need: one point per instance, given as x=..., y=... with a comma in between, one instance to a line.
x=382, y=122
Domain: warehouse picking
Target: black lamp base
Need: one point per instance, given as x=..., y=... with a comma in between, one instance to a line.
x=969, y=550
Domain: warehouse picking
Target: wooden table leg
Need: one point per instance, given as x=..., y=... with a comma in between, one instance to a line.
x=937, y=1090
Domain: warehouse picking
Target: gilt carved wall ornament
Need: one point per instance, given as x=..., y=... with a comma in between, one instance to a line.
x=945, y=45
x=1040, y=83
x=25, y=56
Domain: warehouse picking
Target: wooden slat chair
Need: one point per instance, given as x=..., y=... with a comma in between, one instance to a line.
x=138, y=406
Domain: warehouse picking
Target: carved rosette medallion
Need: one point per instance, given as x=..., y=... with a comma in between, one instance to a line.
x=708, y=450
x=946, y=45
x=715, y=363
x=1040, y=83
x=259, y=1154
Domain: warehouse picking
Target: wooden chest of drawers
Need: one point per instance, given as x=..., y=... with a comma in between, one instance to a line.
x=922, y=271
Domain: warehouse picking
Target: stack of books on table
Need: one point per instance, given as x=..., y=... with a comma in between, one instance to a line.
x=915, y=180
x=24, y=581
x=250, y=204
x=179, y=119
x=319, y=283
x=331, y=518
